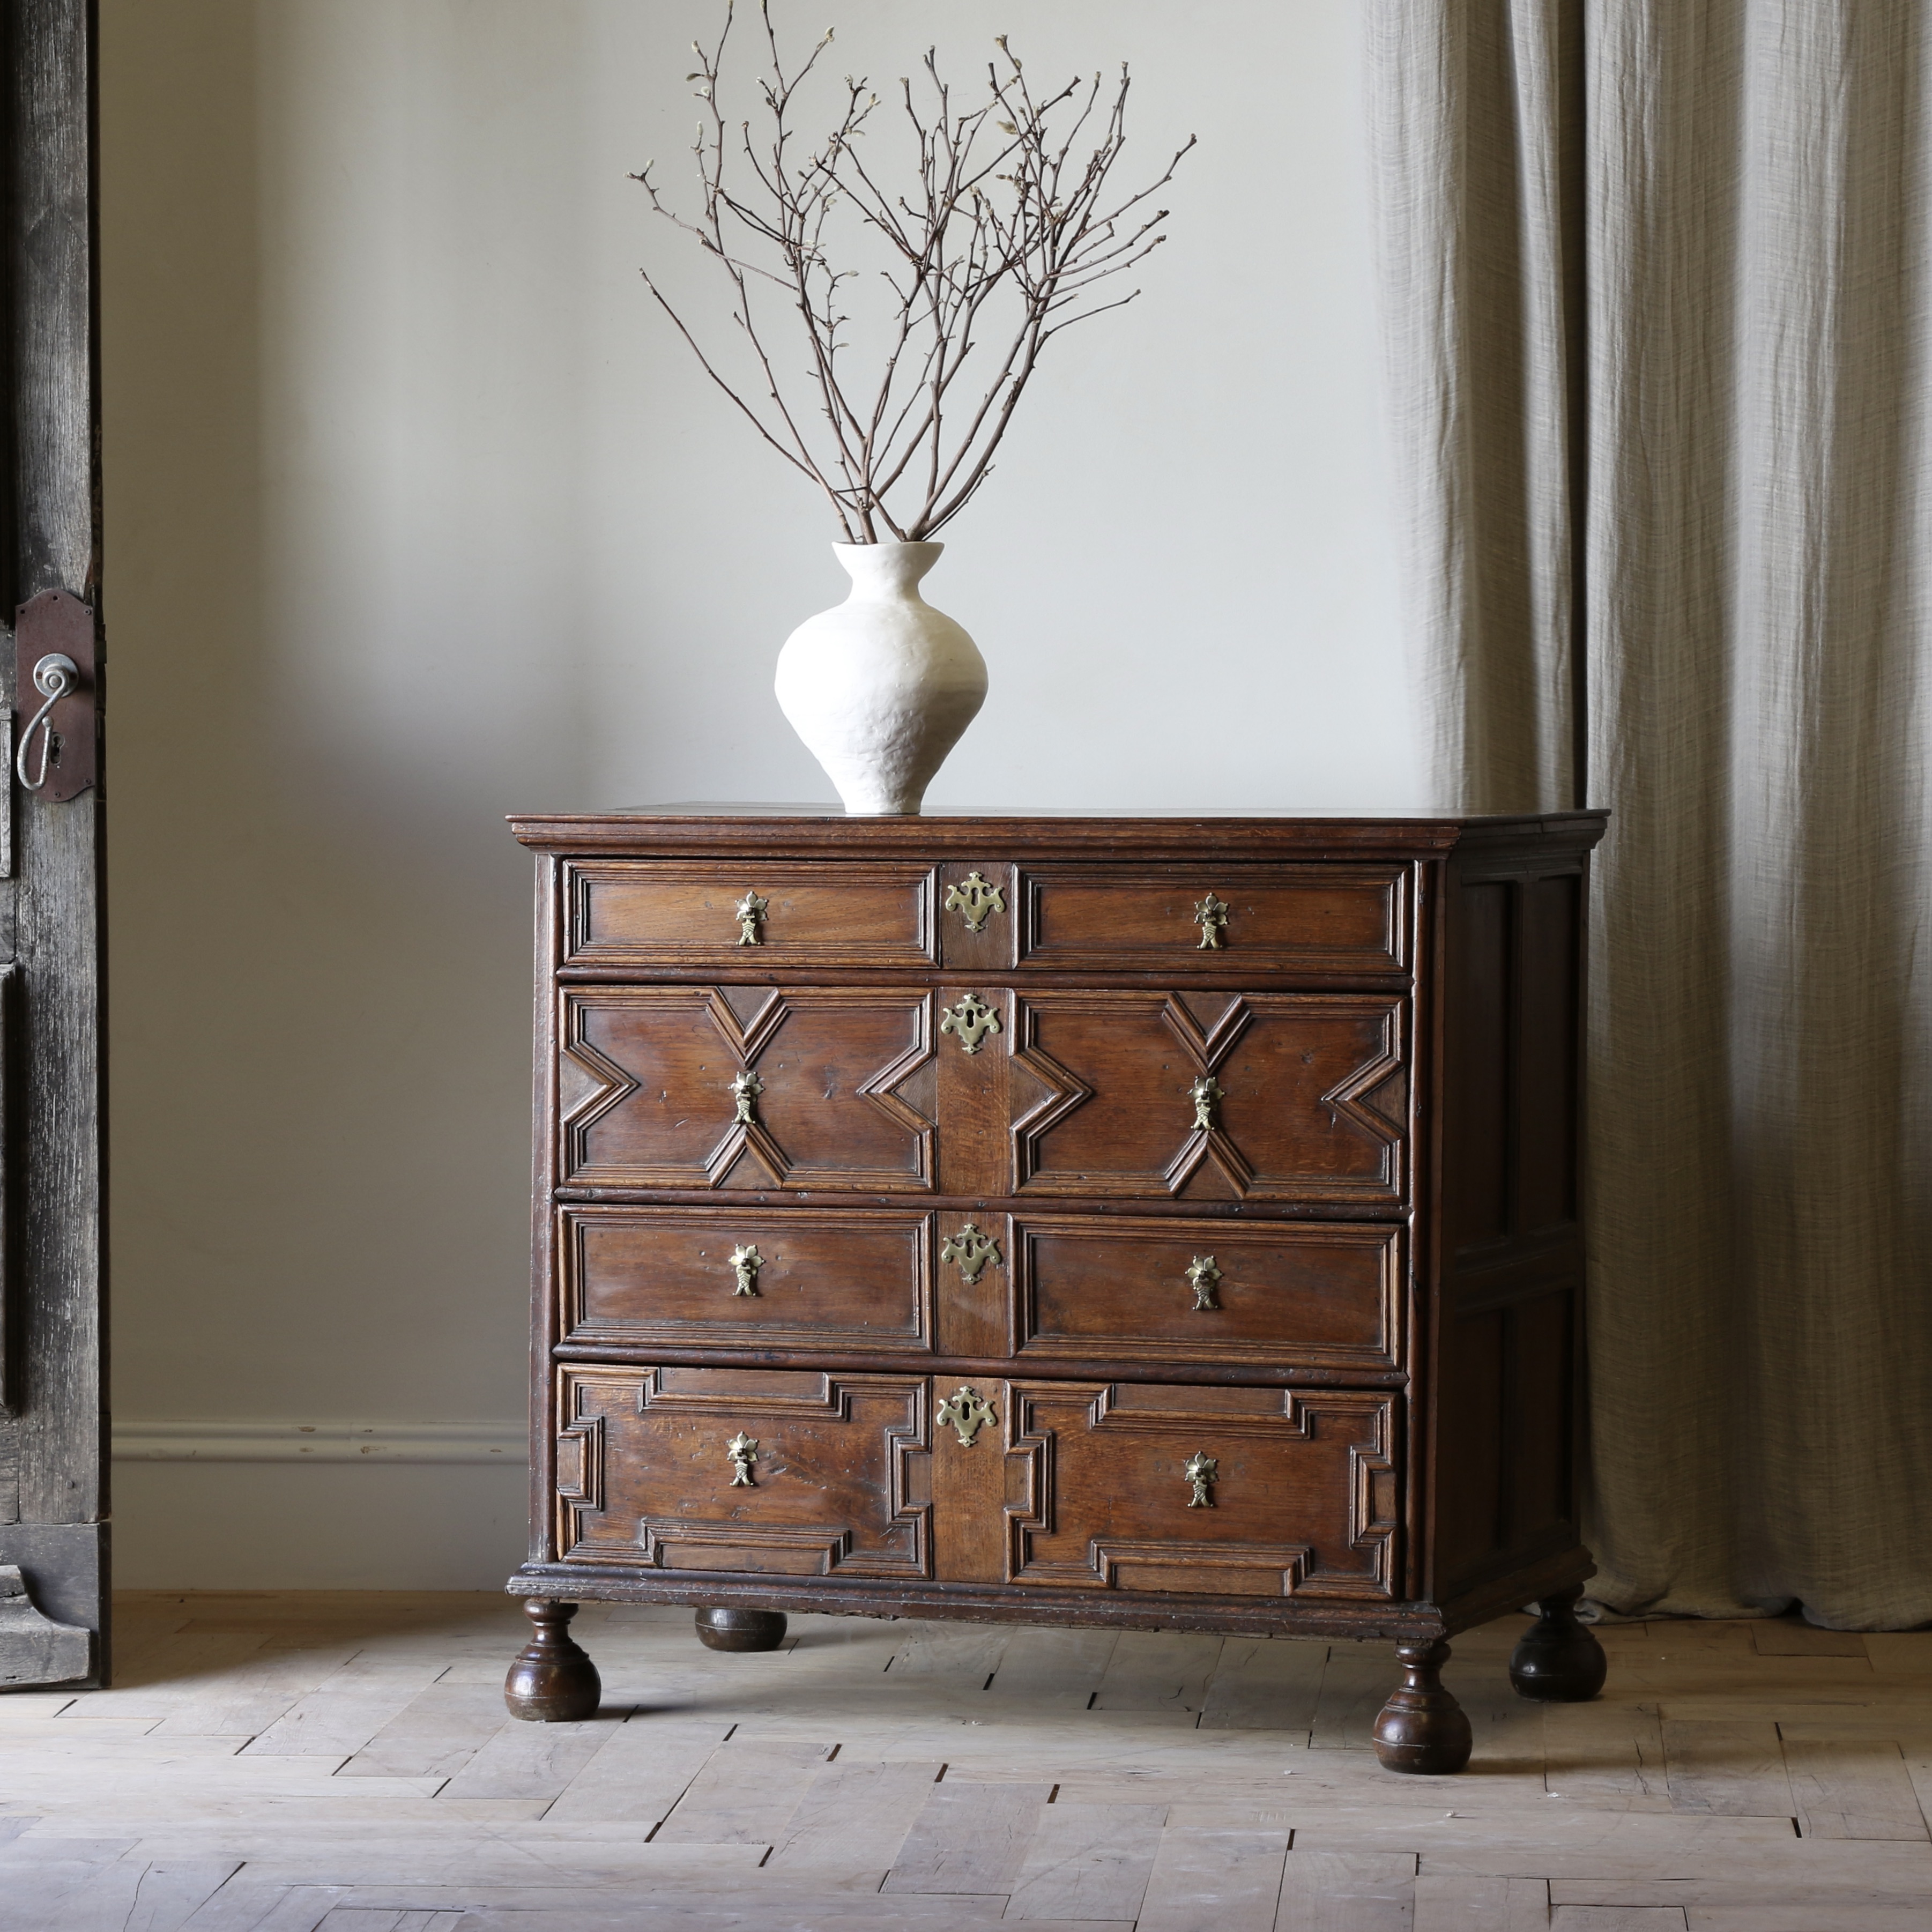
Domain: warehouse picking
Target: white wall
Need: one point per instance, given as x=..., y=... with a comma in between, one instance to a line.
x=416, y=515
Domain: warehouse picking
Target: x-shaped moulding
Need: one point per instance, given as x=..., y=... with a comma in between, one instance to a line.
x=1208, y=1047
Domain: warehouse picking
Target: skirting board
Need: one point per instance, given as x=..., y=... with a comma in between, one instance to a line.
x=301, y=1525
x=504, y=1444
x=249, y=1505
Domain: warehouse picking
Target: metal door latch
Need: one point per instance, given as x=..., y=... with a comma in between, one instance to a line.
x=54, y=676
x=55, y=690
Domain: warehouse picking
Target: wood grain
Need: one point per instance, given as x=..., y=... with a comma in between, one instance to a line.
x=1263, y=1685
x=1087, y=1861
x=1206, y=1879
x=1847, y=1789
x=970, y=1839
x=1347, y=1891
x=748, y=1788
x=1727, y=1770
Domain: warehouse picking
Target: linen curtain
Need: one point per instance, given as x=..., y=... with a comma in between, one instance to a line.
x=1658, y=317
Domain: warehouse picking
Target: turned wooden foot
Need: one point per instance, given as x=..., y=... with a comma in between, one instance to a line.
x=741, y=1630
x=1422, y=1727
x=552, y=1679
x=1558, y=1659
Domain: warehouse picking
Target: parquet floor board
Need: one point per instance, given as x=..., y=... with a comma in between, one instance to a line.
x=1215, y=1878
x=1347, y=1891
x=1264, y=1683
x=1158, y=1670
x=852, y=1821
x=341, y=1763
x=1355, y=1685
x=970, y=1839
x=1088, y=1862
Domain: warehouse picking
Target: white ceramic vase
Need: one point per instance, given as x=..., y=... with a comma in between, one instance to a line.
x=881, y=687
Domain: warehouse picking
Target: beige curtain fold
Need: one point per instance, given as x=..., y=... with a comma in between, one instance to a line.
x=1681, y=523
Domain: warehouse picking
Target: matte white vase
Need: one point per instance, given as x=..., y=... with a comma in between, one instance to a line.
x=881, y=687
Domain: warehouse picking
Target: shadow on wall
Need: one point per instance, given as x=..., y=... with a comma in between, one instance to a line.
x=334, y=585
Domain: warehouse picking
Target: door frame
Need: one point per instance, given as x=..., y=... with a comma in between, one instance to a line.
x=53, y=1411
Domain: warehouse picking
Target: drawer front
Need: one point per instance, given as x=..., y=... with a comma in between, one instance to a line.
x=1335, y=919
x=693, y=1087
x=1286, y=1295
x=795, y=1474
x=1225, y=1492
x=643, y=912
x=1265, y=1096
x=704, y=1278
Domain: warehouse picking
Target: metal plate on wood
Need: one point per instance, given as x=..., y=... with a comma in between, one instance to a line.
x=57, y=621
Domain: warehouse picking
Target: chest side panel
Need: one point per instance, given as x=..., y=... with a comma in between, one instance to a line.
x=1504, y=1372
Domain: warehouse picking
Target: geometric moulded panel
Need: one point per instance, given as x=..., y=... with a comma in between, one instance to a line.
x=676, y=1086
x=1300, y=1498
x=1276, y=1097
x=790, y=1472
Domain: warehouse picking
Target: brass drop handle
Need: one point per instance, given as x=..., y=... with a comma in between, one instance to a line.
x=1202, y=1470
x=750, y=914
x=743, y=1451
x=745, y=1262
x=745, y=1088
x=1211, y=916
x=1202, y=1276
x=1206, y=1093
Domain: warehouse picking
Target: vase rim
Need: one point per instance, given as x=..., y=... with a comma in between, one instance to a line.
x=896, y=543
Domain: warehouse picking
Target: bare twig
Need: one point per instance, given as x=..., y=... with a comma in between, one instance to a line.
x=989, y=251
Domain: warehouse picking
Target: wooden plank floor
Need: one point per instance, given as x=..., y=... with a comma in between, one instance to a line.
x=322, y=1762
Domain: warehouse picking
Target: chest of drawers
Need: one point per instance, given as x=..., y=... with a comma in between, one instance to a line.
x=1152, y=1222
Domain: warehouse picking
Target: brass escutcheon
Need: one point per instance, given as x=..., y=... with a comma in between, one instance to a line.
x=970, y=1251
x=1201, y=1471
x=971, y=1021
x=968, y=1411
x=1211, y=916
x=746, y=1263
x=750, y=914
x=1202, y=1275
x=975, y=900
x=743, y=1451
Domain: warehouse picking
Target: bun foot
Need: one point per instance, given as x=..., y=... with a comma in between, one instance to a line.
x=1422, y=1727
x=553, y=1680
x=1558, y=1661
x=741, y=1630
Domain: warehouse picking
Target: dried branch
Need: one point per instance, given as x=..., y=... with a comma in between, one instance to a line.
x=990, y=249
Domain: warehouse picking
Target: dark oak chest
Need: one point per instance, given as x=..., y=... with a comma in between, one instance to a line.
x=1152, y=1222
